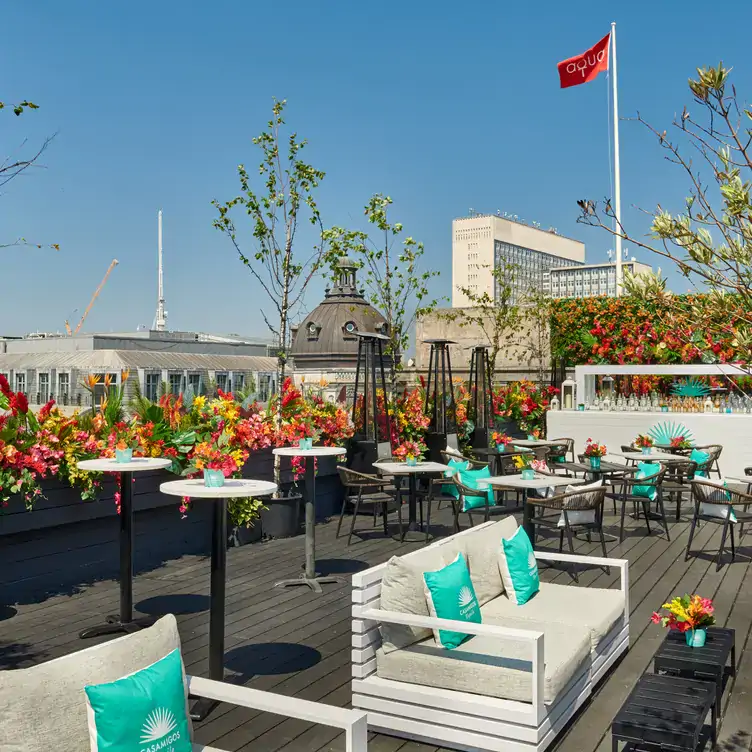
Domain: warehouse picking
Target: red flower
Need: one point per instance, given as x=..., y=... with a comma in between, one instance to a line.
x=5, y=386
x=18, y=403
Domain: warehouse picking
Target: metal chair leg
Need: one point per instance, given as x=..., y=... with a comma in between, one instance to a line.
x=646, y=512
x=570, y=539
x=719, y=560
x=561, y=539
x=733, y=548
x=399, y=516
x=428, y=519
x=691, y=534
x=663, y=515
x=623, y=514
x=354, y=517
x=384, y=515
x=345, y=502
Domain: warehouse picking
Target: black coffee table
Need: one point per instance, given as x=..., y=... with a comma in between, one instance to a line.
x=665, y=712
x=675, y=657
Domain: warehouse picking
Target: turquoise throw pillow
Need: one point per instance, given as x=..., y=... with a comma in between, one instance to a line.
x=143, y=712
x=646, y=470
x=470, y=479
x=454, y=466
x=450, y=595
x=519, y=567
x=700, y=458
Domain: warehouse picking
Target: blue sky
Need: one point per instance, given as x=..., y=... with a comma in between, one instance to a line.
x=443, y=106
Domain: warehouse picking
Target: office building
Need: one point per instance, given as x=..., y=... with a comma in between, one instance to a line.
x=587, y=280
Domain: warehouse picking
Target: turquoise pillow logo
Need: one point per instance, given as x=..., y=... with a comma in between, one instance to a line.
x=143, y=712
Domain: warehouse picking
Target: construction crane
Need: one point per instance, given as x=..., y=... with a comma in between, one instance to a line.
x=92, y=301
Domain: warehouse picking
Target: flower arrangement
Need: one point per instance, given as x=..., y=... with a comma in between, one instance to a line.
x=499, y=438
x=524, y=403
x=594, y=449
x=680, y=442
x=409, y=451
x=688, y=612
x=643, y=441
x=524, y=461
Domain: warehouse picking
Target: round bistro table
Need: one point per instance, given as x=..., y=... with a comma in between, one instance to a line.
x=309, y=576
x=232, y=489
x=125, y=621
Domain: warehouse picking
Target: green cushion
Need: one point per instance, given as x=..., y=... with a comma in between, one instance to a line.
x=646, y=470
x=519, y=568
x=453, y=467
x=450, y=595
x=701, y=459
x=143, y=712
x=470, y=479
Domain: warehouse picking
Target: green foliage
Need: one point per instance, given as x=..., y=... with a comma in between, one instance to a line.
x=20, y=107
x=244, y=512
x=394, y=281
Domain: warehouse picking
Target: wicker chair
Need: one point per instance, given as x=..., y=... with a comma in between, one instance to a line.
x=436, y=485
x=710, y=465
x=556, y=452
x=678, y=482
x=707, y=492
x=627, y=484
x=459, y=503
x=550, y=511
x=629, y=448
x=360, y=489
x=569, y=443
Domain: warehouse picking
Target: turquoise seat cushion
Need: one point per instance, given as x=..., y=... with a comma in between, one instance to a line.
x=143, y=712
x=450, y=595
x=701, y=459
x=518, y=567
x=453, y=467
x=646, y=470
x=470, y=479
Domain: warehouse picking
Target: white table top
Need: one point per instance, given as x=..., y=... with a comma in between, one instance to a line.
x=233, y=487
x=317, y=451
x=136, y=465
x=534, y=442
x=662, y=456
x=402, y=468
x=540, y=481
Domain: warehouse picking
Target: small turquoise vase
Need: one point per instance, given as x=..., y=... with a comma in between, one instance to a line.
x=411, y=461
x=214, y=478
x=123, y=455
x=696, y=637
x=595, y=463
x=530, y=437
x=528, y=474
x=501, y=448
x=305, y=443
x=647, y=450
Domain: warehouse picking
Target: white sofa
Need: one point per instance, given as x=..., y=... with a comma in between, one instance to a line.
x=44, y=707
x=515, y=683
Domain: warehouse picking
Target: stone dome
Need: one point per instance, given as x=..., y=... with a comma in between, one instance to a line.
x=327, y=337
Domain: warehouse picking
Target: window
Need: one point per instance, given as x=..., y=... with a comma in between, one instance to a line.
x=151, y=386
x=222, y=379
x=265, y=386
x=44, y=388
x=63, y=387
x=175, y=380
x=20, y=382
x=194, y=382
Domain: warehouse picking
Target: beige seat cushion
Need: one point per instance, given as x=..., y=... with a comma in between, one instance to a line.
x=482, y=547
x=594, y=609
x=44, y=707
x=491, y=666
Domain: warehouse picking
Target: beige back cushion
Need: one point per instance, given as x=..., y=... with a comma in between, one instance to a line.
x=482, y=547
x=44, y=707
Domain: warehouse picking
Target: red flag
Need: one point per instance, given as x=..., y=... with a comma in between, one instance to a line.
x=583, y=68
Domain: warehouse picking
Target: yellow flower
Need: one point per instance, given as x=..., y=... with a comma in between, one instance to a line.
x=124, y=374
x=199, y=402
x=107, y=379
x=92, y=380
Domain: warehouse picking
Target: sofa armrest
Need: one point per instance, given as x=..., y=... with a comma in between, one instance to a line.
x=352, y=722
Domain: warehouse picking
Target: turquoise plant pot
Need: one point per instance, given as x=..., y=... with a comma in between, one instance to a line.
x=528, y=474
x=595, y=463
x=501, y=448
x=123, y=455
x=411, y=461
x=214, y=478
x=530, y=437
x=305, y=444
x=696, y=637
x=647, y=450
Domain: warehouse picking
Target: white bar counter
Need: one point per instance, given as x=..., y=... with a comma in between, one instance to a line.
x=732, y=431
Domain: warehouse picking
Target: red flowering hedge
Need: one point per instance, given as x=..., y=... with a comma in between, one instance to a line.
x=626, y=330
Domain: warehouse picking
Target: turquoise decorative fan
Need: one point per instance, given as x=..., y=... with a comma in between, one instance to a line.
x=692, y=387
x=662, y=433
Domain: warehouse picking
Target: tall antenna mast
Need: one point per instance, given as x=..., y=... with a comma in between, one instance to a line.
x=160, y=320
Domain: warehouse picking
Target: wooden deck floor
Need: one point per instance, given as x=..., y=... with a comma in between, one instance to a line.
x=297, y=643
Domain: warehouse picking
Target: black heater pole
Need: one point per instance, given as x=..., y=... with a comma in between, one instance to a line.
x=439, y=381
x=480, y=388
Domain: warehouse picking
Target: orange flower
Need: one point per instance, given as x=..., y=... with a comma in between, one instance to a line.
x=92, y=380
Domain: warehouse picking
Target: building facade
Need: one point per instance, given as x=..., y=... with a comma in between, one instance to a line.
x=586, y=280
x=57, y=366
x=480, y=243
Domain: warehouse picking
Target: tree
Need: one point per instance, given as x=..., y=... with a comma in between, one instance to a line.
x=394, y=283
x=536, y=315
x=11, y=167
x=710, y=241
x=275, y=262
x=495, y=315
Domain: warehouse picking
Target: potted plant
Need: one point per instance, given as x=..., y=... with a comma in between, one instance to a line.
x=644, y=442
x=690, y=615
x=524, y=463
x=594, y=451
x=409, y=452
x=500, y=440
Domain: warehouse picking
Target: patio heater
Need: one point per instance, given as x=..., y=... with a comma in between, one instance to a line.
x=372, y=437
x=439, y=404
x=480, y=396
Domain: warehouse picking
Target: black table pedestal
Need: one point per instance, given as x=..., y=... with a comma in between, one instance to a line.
x=412, y=532
x=124, y=622
x=204, y=706
x=310, y=577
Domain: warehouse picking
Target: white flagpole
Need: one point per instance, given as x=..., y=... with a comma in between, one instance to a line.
x=617, y=174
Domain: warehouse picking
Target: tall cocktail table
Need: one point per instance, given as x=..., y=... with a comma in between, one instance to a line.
x=665, y=713
x=124, y=622
x=232, y=489
x=675, y=657
x=309, y=576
